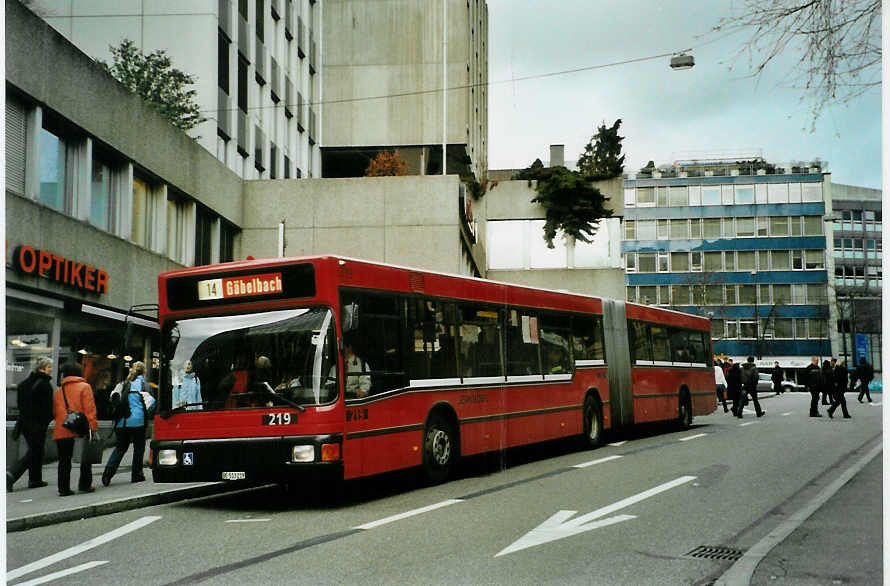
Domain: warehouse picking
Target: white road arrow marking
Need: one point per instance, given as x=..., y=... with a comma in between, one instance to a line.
x=61, y=574
x=560, y=525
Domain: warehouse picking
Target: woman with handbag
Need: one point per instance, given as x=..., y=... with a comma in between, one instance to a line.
x=72, y=403
x=131, y=417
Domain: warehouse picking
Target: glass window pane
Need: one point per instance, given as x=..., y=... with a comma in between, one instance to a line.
x=680, y=294
x=713, y=262
x=646, y=262
x=502, y=250
x=630, y=230
x=632, y=294
x=794, y=192
x=731, y=293
x=818, y=328
x=816, y=293
x=762, y=226
x=679, y=261
x=795, y=226
x=630, y=197
x=760, y=193
x=744, y=194
x=522, y=343
x=139, y=232
x=726, y=194
x=747, y=295
x=661, y=196
x=744, y=226
x=695, y=228
x=646, y=230
x=777, y=192
x=747, y=330
x=661, y=348
x=541, y=257
x=53, y=165
x=781, y=260
x=680, y=229
x=711, y=228
x=782, y=294
x=679, y=196
x=648, y=295
x=718, y=330
x=639, y=341
x=100, y=195
x=728, y=227
x=587, y=338
x=784, y=328
x=714, y=295
x=745, y=260
x=710, y=195
x=732, y=329
x=812, y=225
x=661, y=228
x=664, y=294
x=663, y=262
x=778, y=226
x=811, y=192
x=480, y=344
x=630, y=262
x=695, y=195
x=729, y=260
x=814, y=259
x=645, y=196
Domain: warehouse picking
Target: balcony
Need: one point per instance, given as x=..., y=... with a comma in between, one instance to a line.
x=225, y=17
x=223, y=115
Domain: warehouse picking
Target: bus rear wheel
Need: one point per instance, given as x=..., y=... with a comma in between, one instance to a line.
x=439, y=449
x=593, y=423
x=684, y=419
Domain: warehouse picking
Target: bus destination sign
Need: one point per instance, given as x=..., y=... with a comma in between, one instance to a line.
x=241, y=286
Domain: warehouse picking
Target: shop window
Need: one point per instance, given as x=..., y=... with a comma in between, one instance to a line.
x=203, y=240
x=480, y=342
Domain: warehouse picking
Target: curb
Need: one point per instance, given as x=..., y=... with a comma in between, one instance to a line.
x=118, y=505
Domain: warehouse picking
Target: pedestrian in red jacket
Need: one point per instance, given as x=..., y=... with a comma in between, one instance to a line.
x=79, y=396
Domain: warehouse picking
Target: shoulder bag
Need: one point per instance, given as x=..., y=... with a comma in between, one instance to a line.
x=75, y=422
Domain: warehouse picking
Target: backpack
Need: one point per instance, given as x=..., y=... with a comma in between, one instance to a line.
x=121, y=409
x=749, y=379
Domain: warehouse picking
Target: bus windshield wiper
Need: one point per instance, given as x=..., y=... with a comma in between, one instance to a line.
x=282, y=398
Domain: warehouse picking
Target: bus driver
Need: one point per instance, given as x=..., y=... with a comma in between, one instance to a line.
x=357, y=384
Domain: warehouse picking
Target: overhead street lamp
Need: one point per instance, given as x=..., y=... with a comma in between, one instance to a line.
x=682, y=61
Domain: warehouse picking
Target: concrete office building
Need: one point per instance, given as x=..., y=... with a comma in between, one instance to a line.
x=259, y=89
x=382, y=80
x=102, y=194
x=742, y=241
x=858, y=274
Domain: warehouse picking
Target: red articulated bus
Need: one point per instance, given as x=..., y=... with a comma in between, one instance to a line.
x=275, y=370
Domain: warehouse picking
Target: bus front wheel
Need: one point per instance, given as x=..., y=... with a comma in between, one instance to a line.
x=593, y=423
x=439, y=449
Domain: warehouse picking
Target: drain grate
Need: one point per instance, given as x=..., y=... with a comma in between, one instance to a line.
x=715, y=552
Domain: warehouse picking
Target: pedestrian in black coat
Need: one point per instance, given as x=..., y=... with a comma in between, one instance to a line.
x=35, y=399
x=827, y=387
x=777, y=378
x=734, y=380
x=840, y=386
x=813, y=378
x=749, y=377
x=865, y=373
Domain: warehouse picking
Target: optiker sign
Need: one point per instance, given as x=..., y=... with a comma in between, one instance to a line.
x=27, y=260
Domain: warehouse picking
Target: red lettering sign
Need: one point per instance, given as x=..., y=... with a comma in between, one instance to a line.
x=55, y=267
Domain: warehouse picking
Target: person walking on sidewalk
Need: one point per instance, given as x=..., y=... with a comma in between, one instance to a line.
x=721, y=385
x=827, y=388
x=75, y=394
x=813, y=378
x=749, y=387
x=130, y=421
x=777, y=377
x=734, y=382
x=864, y=372
x=35, y=400
x=840, y=386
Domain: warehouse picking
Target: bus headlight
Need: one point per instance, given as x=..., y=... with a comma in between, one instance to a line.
x=167, y=457
x=303, y=454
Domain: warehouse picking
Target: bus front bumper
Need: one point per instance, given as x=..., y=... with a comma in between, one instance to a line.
x=259, y=459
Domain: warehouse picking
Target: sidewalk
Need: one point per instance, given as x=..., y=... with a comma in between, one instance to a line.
x=27, y=508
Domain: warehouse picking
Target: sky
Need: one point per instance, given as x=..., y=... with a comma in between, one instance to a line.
x=714, y=109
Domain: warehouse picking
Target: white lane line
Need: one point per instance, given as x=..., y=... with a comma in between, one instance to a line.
x=407, y=514
x=740, y=573
x=786, y=414
x=592, y=462
x=77, y=549
x=26, y=500
x=749, y=423
x=616, y=444
x=686, y=439
x=61, y=574
x=248, y=520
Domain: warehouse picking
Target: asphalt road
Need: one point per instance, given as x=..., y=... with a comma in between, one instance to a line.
x=632, y=512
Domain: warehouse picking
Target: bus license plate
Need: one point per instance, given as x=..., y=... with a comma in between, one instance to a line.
x=279, y=418
x=234, y=475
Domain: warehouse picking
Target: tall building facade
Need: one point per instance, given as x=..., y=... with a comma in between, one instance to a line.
x=858, y=275
x=382, y=82
x=741, y=241
x=259, y=90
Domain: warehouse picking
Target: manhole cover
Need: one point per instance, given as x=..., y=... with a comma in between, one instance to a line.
x=715, y=552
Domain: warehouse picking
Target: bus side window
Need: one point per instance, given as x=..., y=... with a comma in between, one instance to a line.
x=432, y=351
x=660, y=343
x=480, y=341
x=522, y=343
x=587, y=337
x=555, y=352
x=377, y=336
x=639, y=341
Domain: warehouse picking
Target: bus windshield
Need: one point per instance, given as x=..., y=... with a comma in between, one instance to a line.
x=267, y=359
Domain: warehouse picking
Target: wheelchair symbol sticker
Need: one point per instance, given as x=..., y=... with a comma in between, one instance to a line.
x=188, y=458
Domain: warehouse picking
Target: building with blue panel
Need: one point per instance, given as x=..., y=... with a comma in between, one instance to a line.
x=741, y=241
